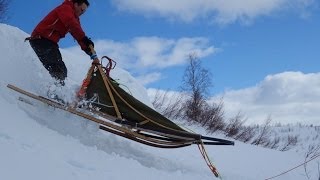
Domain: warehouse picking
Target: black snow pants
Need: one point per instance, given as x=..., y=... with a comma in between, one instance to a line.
x=50, y=56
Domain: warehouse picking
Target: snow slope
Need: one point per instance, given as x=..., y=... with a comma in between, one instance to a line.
x=39, y=142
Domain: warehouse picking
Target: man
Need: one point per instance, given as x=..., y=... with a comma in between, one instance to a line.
x=46, y=35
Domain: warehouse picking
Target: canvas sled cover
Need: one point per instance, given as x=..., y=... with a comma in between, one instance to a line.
x=110, y=98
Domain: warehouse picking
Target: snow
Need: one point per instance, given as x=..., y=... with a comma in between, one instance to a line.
x=40, y=142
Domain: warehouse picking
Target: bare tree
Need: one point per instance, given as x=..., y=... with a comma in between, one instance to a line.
x=170, y=107
x=4, y=4
x=159, y=100
x=246, y=134
x=263, y=137
x=196, y=82
x=291, y=142
x=275, y=143
x=235, y=125
x=313, y=151
x=212, y=117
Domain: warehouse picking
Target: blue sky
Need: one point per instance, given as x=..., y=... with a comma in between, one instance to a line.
x=240, y=42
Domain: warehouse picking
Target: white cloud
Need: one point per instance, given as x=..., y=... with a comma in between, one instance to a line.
x=153, y=52
x=149, y=78
x=289, y=97
x=221, y=11
x=160, y=53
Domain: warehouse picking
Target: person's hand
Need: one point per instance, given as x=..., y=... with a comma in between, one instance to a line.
x=96, y=61
x=88, y=45
x=87, y=41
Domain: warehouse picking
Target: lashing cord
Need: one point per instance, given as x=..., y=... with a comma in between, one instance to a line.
x=207, y=159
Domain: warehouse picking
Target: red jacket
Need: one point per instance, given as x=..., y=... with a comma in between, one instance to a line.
x=59, y=22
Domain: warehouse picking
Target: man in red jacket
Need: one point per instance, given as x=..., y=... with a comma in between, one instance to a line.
x=45, y=37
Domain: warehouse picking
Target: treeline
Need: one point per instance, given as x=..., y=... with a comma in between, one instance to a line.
x=192, y=105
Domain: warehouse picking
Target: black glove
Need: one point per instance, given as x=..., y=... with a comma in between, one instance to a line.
x=87, y=42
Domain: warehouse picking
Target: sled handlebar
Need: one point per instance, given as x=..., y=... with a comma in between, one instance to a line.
x=111, y=64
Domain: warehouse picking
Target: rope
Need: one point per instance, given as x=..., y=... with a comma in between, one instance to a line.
x=313, y=158
x=120, y=84
x=206, y=156
x=126, y=87
x=207, y=160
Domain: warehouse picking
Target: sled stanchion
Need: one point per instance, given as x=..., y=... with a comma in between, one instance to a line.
x=106, y=85
x=110, y=94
